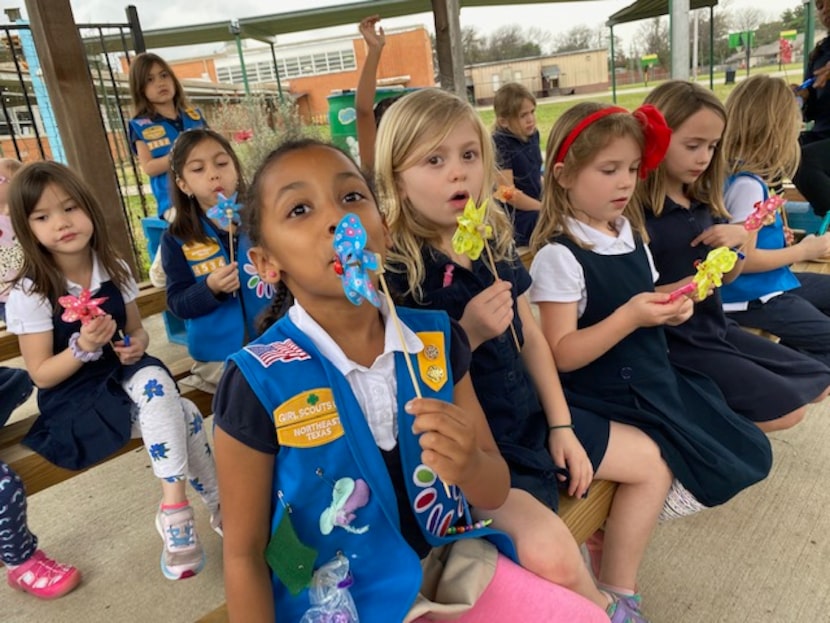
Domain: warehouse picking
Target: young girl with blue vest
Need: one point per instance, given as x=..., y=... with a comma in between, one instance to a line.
x=211, y=281
x=433, y=155
x=760, y=146
x=162, y=112
x=74, y=311
x=685, y=219
x=344, y=468
x=593, y=280
x=518, y=156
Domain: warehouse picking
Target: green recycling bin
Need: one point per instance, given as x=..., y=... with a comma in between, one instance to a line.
x=343, y=117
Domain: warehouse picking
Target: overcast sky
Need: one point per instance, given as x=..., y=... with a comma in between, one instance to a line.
x=556, y=17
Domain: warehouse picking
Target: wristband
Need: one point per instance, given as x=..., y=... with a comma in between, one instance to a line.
x=558, y=426
x=79, y=353
x=739, y=253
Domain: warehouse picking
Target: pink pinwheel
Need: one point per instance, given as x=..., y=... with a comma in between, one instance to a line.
x=82, y=307
x=764, y=213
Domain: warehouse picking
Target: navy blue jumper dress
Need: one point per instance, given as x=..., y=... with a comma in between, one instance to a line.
x=501, y=380
x=760, y=379
x=711, y=450
x=87, y=417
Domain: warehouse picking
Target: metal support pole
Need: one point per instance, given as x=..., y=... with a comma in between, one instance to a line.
x=809, y=33
x=276, y=71
x=135, y=29
x=679, y=37
x=613, y=70
x=235, y=31
x=711, y=48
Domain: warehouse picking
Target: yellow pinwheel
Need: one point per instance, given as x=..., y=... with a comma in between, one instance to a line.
x=711, y=270
x=472, y=231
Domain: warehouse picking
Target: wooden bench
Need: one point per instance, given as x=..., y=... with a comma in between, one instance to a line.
x=37, y=472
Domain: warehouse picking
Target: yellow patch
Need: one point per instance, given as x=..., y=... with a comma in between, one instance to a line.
x=153, y=133
x=432, y=361
x=195, y=251
x=309, y=419
x=162, y=142
x=193, y=114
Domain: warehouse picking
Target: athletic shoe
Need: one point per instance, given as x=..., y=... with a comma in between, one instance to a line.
x=182, y=556
x=621, y=612
x=43, y=577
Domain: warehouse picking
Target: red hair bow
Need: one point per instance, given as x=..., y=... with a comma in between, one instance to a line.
x=657, y=137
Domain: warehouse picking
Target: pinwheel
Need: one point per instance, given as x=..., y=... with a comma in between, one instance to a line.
x=470, y=239
x=764, y=213
x=353, y=263
x=82, y=307
x=711, y=270
x=226, y=214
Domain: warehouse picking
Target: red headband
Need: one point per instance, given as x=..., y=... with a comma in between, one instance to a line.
x=657, y=135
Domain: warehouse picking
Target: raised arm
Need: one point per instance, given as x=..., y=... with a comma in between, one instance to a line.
x=364, y=98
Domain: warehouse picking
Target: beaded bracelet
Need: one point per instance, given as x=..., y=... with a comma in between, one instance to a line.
x=737, y=250
x=79, y=353
x=557, y=426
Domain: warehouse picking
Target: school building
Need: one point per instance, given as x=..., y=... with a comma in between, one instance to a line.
x=311, y=71
x=566, y=73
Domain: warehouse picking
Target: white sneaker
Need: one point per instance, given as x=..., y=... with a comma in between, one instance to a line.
x=182, y=556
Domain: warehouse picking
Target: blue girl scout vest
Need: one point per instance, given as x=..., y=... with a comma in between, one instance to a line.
x=159, y=136
x=751, y=286
x=222, y=332
x=324, y=439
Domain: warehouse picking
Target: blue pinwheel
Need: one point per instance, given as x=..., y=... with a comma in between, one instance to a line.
x=226, y=211
x=354, y=262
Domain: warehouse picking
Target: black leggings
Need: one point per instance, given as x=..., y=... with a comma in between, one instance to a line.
x=813, y=176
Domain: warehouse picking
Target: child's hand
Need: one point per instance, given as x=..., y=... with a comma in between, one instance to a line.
x=789, y=236
x=129, y=354
x=722, y=236
x=814, y=247
x=374, y=39
x=97, y=333
x=448, y=439
x=567, y=452
x=224, y=279
x=687, y=308
x=488, y=313
x=652, y=309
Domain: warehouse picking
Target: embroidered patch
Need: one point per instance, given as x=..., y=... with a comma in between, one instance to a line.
x=348, y=496
x=307, y=420
x=162, y=142
x=153, y=133
x=285, y=351
x=192, y=113
x=432, y=360
x=197, y=251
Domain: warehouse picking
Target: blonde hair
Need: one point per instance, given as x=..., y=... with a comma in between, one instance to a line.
x=762, y=131
x=556, y=204
x=507, y=105
x=678, y=100
x=413, y=127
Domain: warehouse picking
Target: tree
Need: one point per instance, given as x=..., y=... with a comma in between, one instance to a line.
x=505, y=43
x=577, y=38
x=721, y=32
x=793, y=19
x=654, y=38
x=473, y=45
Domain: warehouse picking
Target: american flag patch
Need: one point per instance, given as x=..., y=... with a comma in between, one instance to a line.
x=285, y=351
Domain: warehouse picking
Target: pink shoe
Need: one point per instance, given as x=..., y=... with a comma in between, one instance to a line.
x=43, y=577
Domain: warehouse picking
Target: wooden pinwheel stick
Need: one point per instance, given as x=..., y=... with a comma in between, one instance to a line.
x=496, y=275
x=399, y=328
x=231, y=230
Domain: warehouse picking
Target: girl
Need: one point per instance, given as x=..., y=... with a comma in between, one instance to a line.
x=162, y=112
x=433, y=154
x=11, y=257
x=330, y=376
x=216, y=294
x=760, y=146
x=93, y=386
x=761, y=380
x=593, y=282
x=519, y=157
